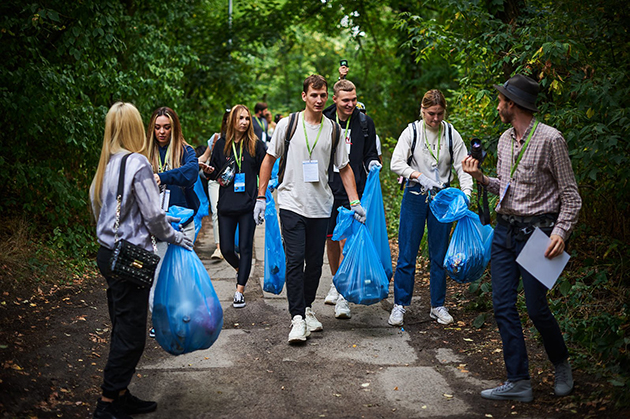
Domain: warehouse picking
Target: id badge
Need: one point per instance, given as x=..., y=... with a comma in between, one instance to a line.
x=239, y=182
x=165, y=198
x=504, y=193
x=310, y=170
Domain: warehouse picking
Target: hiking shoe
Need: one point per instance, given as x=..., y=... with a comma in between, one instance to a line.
x=152, y=333
x=299, y=332
x=520, y=391
x=312, y=323
x=239, y=300
x=397, y=316
x=342, y=309
x=132, y=405
x=106, y=410
x=217, y=254
x=563, y=383
x=441, y=315
x=332, y=296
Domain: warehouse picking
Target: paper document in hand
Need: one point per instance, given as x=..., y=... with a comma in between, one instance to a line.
x=532, y=259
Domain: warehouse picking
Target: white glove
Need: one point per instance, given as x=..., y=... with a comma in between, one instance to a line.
x=259, y=211
x=427, y=183
x=374, y=163
x=359, y=213
x=183, y=240
x=170, y=219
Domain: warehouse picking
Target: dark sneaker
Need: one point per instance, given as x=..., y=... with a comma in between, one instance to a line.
x=132, y=405
x=239, y=300
x=563, y=383
x=106, y=410
x=520, y=391
x=152, y=333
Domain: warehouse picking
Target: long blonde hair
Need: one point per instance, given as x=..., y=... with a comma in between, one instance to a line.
x=124, y=131
x=177, y=143
x=230, y=135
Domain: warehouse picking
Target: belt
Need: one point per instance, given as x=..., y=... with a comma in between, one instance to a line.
x=522, y=227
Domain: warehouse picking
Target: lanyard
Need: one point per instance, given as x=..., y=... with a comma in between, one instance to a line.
x=424, y=126
x=308, y=147
x=345, y=134
x=162, y=168
x=259, y=120
x=520, y=156
x=238, y=157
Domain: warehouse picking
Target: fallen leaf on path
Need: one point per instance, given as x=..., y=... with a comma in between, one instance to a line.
x=448, y=396
x=365, y=385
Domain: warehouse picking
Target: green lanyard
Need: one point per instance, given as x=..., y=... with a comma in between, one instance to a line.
x=345, y=134
x=424, y=126
x=259, y=120
x=162, y=168
x=308, y=147
x=520, y=156
x=238, y=157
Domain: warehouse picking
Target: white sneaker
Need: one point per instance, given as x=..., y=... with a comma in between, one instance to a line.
x=397, y=316
x=342, y=309
x=332, y=296
x=217, y=254
x=299, y=332
x=441, y=315
x=312, y=324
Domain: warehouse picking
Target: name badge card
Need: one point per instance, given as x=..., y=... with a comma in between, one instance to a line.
x=239, y=182
x=310, y=170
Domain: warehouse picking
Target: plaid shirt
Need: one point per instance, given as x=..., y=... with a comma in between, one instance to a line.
x=543, y=181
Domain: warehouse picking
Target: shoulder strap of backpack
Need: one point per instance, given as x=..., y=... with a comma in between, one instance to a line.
x=364, y=124
x=287, y=140
x=413, y=143
x=450, y=150
x=336, y=135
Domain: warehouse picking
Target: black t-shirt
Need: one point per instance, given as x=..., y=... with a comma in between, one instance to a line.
x=230, y=202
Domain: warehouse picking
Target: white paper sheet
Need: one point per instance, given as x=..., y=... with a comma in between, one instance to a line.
x=532, y=259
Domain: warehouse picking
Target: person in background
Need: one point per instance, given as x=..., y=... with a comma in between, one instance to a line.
x=305, y=199
x=359, y=137
x=260, y=123
x=536, y=188
x=176, y=168
x=213, y=185
x=271, y=125
x=141, y=216
x=236, y=201
x=428, y=168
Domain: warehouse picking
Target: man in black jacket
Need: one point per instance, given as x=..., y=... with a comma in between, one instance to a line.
x=359, y=135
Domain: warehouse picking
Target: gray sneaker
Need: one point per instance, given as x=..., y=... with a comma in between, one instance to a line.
x=563, y=383
x=520, y=391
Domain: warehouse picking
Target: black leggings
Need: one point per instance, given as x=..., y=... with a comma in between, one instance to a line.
x=128, y=307
x=227, y=230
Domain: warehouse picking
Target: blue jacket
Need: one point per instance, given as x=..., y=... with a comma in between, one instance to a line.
x=181, y=181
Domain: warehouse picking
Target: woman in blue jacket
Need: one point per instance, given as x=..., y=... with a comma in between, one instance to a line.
x=175, y=169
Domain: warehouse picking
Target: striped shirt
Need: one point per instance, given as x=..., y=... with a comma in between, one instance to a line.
x=543, y=181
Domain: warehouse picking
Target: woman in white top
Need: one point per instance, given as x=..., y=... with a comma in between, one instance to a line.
x=438, y=150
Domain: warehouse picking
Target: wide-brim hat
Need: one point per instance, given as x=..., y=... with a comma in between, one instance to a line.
x=522, y=90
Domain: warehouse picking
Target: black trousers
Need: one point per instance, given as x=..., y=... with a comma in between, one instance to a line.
x=304, y=241
x=227, y=230
x=128, y=305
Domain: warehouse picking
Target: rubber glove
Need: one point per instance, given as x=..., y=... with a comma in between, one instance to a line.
x=183, y=240
x=359, y=213
x=427, y=183
x=259, y=211
x=374, y=163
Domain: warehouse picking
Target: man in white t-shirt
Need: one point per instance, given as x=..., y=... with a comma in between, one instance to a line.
x=305, y=200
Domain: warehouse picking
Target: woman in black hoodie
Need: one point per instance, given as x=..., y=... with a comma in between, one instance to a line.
x=237, y=200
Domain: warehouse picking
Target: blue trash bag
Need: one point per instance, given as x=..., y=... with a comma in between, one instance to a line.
x=275, y=262
x=184, y=214
x=273, y=180
x=187, y=314
x=204, y=205
x=468, y=252
x=345, y=228
x=361, y=278
x=236, y=240
x=372, y=201
x=449, y=205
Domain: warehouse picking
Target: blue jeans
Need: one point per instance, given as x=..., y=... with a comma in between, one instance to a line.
x=505, y=279
x=414, y=212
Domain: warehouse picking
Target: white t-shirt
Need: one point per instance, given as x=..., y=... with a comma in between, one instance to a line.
x=308, y=199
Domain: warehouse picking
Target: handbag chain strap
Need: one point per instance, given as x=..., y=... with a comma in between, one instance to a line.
x=119, y=194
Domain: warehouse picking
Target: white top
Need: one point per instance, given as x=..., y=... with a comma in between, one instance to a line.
x=308, y=199
x=424, y=162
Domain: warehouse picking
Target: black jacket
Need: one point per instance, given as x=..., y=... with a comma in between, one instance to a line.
x=362, y=151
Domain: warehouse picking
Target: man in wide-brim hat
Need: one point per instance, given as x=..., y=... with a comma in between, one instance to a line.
x=537, y=189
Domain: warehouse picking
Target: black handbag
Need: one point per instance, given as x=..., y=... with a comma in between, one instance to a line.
x=129, y=261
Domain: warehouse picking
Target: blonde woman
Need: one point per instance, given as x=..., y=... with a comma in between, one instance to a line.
x=237, y=200
x=140, y=217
